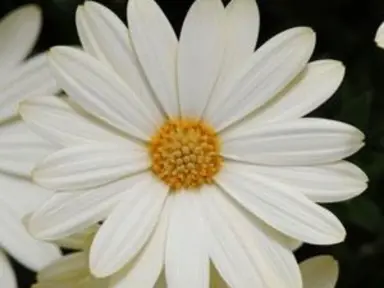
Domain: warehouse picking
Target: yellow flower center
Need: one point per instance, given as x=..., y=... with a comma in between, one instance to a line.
x=185, y=153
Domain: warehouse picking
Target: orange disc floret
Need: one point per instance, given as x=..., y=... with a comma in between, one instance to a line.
x=185, y=153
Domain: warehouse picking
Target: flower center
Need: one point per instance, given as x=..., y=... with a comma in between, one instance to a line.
x=185, y=153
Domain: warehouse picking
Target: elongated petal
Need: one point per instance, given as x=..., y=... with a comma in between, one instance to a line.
x=88, y=166
x=242, y=24
x=105, y=37
x=101, y=92
x=145, y=269
x=7, y=276
x=269, y=262
x=325, y=183
x=320, y=272
x=128, y=227
x=186, y=259
x=64, y=123
x=304, y=141
x=19, y=31
x=20, y=148
x=68, y=213
x=155, y=44
x=269, y=70
x=28, y=79
x=315, y=85
x=379, y=39
x=21, y=194
x=200, y=55
x=15, y=239
x=280, y=207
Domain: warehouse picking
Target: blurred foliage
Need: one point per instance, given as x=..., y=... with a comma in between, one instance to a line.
x=345, y=31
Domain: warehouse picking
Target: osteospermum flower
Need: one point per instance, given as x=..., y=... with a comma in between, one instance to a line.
x=379, y=39
x=193, y=150
x=19, y=148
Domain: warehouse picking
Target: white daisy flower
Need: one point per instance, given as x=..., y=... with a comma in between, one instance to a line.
x=19, y=148
x=191, y=150
x=379, y=39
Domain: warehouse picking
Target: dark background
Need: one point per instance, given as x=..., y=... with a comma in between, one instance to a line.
x=345, y=31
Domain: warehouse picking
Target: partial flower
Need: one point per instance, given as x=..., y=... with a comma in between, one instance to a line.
x=19, y=148
x=193, y=151
x=72, y=270
x=320, y=272
x=379, y=39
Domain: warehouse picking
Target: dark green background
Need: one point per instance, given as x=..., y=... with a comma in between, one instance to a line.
x=345, y=30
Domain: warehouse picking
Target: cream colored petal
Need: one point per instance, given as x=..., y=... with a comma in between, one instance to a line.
x=106, y=37
x=200, y=55
x=270, y=69
x=186, y=258
x=242, y=23
x=89, y=166
x=16, y=240
x=320, y=272
x=280, y=206
x=311, y=88
x=101, y=92
x=130, y=225
x=379, y=39
x=64, y=123
x=299, y=142
x=155, y=44
x=30, y=78
x=20, y=148
x=68, y=213
x=19, y=31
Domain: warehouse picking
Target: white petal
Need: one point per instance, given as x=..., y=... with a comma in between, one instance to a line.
x=320, y=272
x=145, y=269
x=7, y=276
x=19, y=31
x=88, y=166
x=305, y=141
x=128, y=227
x=186, y=259
x=21, y=194
x=68, y=213
x=28, y=79
x=315, y=85
x=101, y=92
x=242, y=29
x=269, y=70
x=155, y=44
x=201, y=50
x=15, y=239
x=69, y=266
x=379, y=38
x=65, y=123
x=324, y=183
x=280, y=207
x=20, y=148
x=269, y=264
x=105, y=37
